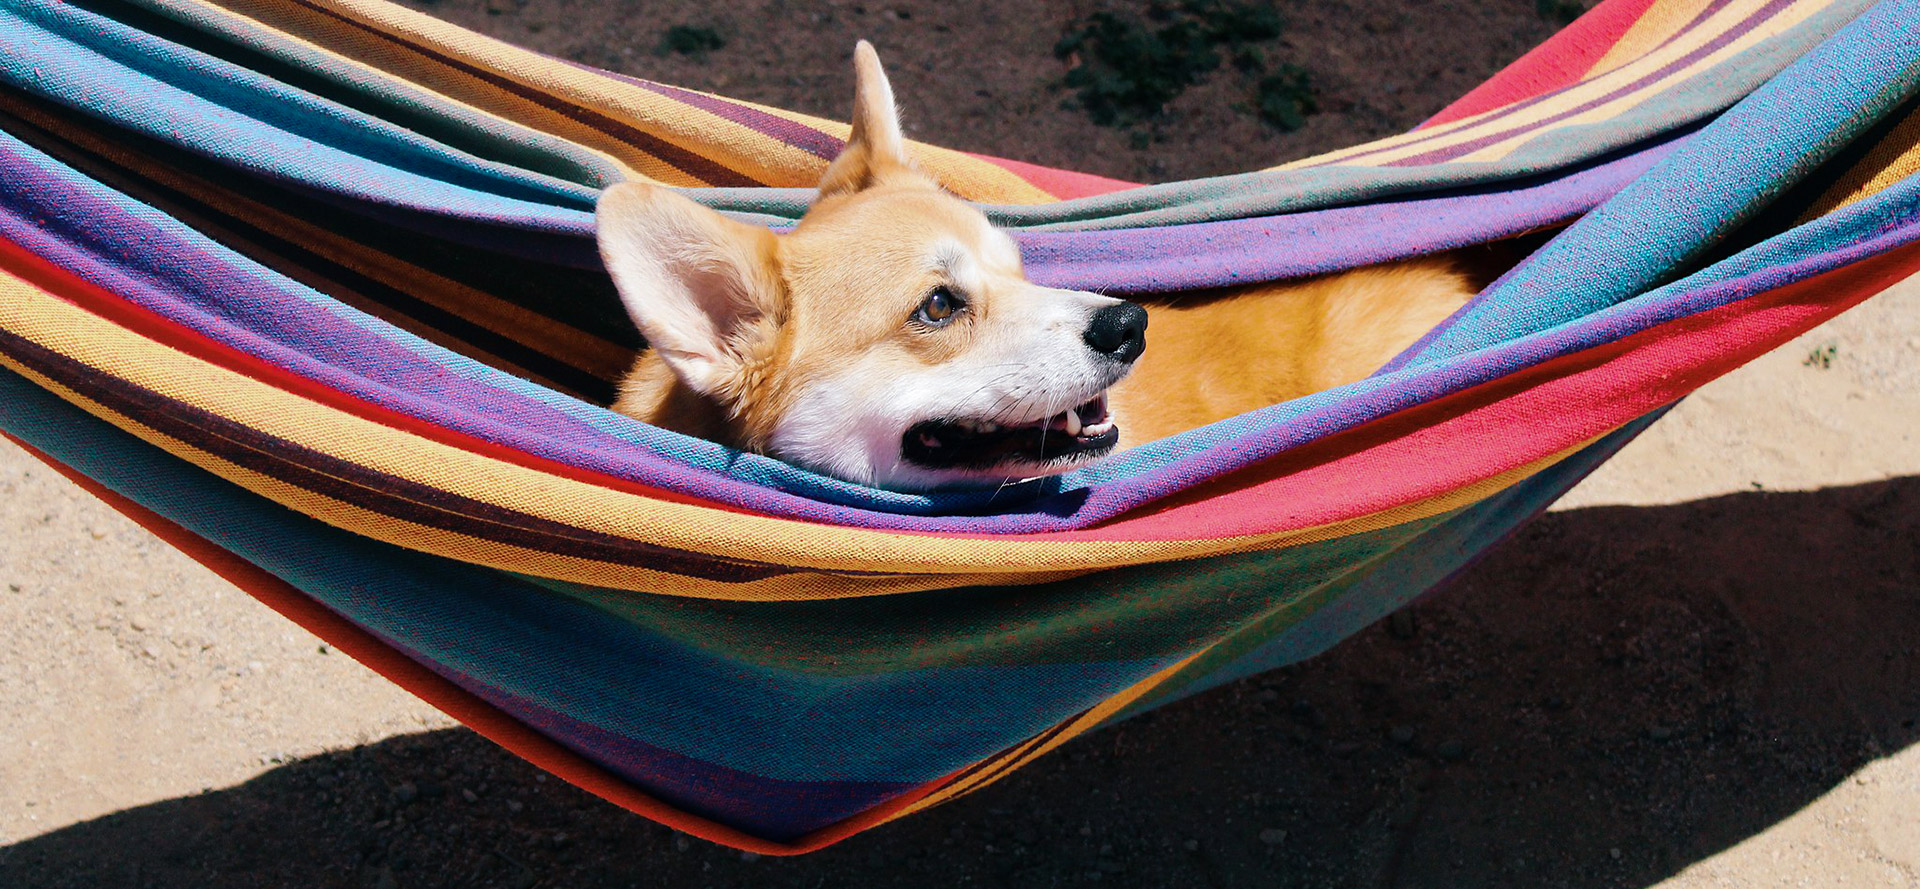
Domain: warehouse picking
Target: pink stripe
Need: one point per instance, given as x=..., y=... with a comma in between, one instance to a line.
x=1559, y=62
x=1062, y=184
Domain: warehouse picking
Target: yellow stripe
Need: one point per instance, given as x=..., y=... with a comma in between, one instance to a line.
x=1786, y=19
x=820, y=552
x=1893, y=159
x=1655, y=26
x=1481, y=125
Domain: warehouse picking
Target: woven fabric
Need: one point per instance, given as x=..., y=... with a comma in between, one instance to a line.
x=309, y=288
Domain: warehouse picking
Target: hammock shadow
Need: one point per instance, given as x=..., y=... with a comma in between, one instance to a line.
x=1614, y=694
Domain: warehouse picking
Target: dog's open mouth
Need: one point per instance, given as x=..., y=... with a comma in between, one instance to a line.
x=1069, y=437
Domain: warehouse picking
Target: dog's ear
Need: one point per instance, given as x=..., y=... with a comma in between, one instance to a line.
x=702, y=288
x=875, y=152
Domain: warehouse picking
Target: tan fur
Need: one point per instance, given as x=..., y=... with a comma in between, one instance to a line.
x=756, y=335
x=1217, y=355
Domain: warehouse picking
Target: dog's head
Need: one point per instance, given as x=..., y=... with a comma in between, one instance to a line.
x=890, y=338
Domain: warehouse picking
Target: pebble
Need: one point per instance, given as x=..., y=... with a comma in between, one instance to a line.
x=1451, y=751
x=1660, y=733
x=1614, y=853
x=406, y=792
x=680, y=843
x=749, y=856
x=1273, y=836
x=468, y=795
x=514, y=806
x=1401, y=734
x=1192, y=845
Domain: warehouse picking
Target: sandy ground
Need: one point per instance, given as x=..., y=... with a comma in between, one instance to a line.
x=1703, y=669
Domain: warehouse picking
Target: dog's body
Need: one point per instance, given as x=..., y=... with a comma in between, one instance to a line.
x=891, y=338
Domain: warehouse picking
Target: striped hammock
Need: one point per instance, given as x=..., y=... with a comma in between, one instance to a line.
x=308, y=288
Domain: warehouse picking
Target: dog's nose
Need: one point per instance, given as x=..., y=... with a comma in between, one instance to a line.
x=1118, y=331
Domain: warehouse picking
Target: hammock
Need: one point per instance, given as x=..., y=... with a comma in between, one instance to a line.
x=307, y=287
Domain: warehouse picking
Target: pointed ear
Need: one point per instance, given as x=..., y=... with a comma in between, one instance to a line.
x=875, y=150
x=702, y=288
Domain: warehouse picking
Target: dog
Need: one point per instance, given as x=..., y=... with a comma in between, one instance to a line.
x=892, y=339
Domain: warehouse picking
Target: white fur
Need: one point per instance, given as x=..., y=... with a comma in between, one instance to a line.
x=851, y=424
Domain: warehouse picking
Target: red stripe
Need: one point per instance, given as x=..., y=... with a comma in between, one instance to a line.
x=1062, y=184
x=1452, y=442
x=1559, y=62
x=447, y=697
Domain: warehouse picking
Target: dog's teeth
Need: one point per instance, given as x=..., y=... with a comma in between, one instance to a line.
x=1073, y=422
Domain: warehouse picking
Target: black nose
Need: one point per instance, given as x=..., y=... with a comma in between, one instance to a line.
x=1118, y=331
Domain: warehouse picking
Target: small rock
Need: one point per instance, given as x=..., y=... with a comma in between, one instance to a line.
x=150, y=651
x=514, y=806
x=749, y=856
x=1614, y=853
x=680, y=843
x=1451, y=751
x=1109, y=866
x=1192, y=845
x=1401, y=734
x=1086, y=830
x=406, y=792
x=1273, y=836
x=468, y=795
x=560, y=840
x=385, y=880
x=1660, y=733
x=137, y=624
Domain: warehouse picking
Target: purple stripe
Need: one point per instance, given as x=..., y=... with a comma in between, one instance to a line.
x=1444, y=154
x=1213, y=254
x=790, y=132
x=771, y=808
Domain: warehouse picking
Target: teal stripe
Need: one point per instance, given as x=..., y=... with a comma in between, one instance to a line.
x=504, y=633
x=1722, y=177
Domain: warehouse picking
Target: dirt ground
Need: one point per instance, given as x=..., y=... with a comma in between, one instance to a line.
x=1702, y=669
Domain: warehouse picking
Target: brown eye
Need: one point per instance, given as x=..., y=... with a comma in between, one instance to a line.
x=939, y=307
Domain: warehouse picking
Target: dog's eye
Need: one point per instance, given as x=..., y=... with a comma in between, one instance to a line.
x=939, y=307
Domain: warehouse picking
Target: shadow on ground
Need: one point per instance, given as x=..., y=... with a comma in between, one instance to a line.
x=1612, y=695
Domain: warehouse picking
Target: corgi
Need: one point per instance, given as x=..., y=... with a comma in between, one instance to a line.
x=892, y=339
